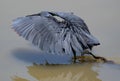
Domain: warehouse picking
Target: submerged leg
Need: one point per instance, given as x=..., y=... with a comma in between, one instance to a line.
x=74, y=55
x=96, y=57
x=74, y=58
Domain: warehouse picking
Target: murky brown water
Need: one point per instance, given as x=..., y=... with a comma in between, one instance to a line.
x=62, y=73
x=18, y=57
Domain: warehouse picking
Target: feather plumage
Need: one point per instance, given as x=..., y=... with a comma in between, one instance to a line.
x=54, y=36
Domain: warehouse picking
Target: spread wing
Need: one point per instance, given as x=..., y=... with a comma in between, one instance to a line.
x=41, y=31
x=52, y=36
x=48, y=34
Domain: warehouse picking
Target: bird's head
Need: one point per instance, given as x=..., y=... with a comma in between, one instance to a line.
x=68, y=16
x=45, y=14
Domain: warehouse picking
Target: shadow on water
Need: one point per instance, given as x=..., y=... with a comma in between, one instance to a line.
x=34, y=56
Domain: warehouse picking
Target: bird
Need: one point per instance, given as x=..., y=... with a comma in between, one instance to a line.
x=57, y=33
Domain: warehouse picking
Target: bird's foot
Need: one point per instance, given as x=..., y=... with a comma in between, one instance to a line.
x=81, y=59
x=91, y=59
x=86, y=59
x=88, y=56
x=98, y=58
x=94, y=58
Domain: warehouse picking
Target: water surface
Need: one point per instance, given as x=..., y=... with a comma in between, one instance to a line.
x=19, y=60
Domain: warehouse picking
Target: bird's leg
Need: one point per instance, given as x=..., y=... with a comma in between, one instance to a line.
x=98, y=57
x=74, y=58
x=87, y=51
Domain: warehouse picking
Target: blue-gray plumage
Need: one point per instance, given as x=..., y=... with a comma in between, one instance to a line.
x=70, y=36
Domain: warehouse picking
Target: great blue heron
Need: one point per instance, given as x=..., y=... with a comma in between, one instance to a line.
x=69, y=36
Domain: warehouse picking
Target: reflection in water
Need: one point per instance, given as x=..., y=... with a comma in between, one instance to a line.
x=74, y=72
x=16, y=78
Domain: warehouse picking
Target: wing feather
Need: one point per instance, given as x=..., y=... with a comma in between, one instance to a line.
x=55, y=37
x=39, y=30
